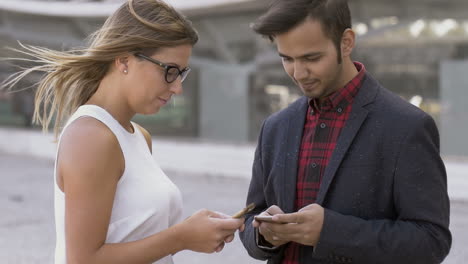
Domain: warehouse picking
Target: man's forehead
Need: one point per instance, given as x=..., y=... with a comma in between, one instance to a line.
x=302, y=48
x=302, y=40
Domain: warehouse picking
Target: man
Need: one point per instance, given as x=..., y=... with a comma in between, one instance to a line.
x=350, y=172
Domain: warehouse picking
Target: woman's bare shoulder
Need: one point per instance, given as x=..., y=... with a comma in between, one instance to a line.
x=89, y=148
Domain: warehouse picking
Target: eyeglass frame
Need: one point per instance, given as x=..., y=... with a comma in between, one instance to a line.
x=182, y=73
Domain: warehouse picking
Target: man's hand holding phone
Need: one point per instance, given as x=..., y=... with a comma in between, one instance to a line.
x=266, y=223
x=302, y=227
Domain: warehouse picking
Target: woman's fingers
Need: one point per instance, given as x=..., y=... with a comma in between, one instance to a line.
x=229, y=239
x=220, y=247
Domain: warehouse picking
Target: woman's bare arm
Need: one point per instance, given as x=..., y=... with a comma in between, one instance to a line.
x=90, y=165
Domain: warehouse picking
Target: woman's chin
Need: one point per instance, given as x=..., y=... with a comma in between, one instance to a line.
x=150, y=111
x=154, y=111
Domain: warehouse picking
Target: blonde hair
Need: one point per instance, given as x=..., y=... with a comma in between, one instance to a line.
x=72, y=77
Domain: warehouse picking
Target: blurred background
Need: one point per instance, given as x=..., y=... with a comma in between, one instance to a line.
x=416, y=48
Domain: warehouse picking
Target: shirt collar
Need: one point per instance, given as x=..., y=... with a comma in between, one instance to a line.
x=343, y=96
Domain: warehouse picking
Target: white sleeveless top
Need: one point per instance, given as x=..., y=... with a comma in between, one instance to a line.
x=146, y=201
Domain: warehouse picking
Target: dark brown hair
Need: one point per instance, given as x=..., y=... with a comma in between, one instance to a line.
x=284, y=15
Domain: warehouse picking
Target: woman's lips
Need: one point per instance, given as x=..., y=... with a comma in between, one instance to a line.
x=164, y=101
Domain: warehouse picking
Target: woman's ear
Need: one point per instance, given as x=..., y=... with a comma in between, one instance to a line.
x=122, y=63
x=347, y=42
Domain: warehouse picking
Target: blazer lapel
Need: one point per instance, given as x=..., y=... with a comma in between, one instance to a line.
x=358, y=114
x=293, y=143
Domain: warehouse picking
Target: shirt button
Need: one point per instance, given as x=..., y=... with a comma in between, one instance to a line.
x=314, y=165
x=339, y=110
x=323, y=125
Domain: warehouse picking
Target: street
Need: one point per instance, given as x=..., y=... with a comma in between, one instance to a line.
x=27, y=225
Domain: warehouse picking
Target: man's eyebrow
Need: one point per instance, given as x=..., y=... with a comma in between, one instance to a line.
x=310, y=54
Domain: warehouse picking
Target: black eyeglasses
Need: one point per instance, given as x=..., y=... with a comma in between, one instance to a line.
x=170, y=72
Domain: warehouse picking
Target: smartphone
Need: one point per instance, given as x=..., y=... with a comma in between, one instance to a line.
x=244, y=211
x=266, y=219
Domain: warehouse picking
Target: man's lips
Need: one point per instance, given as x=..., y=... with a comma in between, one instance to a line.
x=309, y=85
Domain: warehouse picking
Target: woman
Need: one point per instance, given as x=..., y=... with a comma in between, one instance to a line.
x=113, y=204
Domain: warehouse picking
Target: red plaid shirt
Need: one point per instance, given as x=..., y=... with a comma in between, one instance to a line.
x=321, y=131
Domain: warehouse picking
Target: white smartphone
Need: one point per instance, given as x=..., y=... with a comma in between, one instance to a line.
x=264, y=218
x=267, y=219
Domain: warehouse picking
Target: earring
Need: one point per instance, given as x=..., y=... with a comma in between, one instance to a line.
x=125, y=71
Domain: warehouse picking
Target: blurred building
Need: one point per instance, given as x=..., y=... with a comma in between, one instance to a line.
x=414, y=48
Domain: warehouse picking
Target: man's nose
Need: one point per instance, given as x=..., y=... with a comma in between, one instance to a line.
x=300, y=71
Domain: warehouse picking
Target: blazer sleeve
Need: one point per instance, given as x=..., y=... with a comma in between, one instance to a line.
x=256, y=195
x=420, y=233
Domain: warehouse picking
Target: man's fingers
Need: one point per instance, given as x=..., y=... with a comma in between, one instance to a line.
x=308, y=207
x=272, y=210
x=264, y=230
x=276, y=232
x=287, y=218
x=266, y=213
x=255, y=223
x=286, y=237
x=273, y=238
x=282, y=228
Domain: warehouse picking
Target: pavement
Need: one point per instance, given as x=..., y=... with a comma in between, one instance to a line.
x=27, y=234
x=27, y=231
x=198, y=158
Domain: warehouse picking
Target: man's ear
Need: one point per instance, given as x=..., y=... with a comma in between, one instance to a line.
x=347, y=42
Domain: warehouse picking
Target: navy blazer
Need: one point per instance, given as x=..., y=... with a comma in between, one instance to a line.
x=384, y=190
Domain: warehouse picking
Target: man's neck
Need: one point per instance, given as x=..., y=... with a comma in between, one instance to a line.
x=349, y=72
